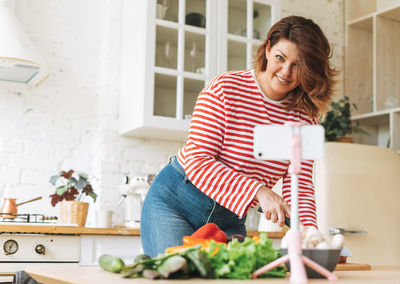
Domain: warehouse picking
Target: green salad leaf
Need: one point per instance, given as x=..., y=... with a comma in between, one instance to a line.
x=239, y=260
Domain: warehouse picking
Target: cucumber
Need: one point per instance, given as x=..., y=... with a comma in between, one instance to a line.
x=111, y=263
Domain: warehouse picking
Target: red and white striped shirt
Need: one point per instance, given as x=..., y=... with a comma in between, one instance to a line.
x=218, y=155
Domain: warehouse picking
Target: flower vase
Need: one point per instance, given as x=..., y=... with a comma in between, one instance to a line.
x=74, y=212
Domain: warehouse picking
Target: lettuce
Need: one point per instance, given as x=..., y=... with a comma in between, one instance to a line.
x=239, y=260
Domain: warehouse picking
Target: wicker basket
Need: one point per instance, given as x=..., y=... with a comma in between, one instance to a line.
x=74, y=212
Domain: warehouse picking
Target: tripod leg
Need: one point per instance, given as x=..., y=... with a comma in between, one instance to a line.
x=321, y=270
x=297, y=270
x=270, y=266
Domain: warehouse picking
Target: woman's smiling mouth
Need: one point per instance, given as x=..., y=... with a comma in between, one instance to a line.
x=281, y=80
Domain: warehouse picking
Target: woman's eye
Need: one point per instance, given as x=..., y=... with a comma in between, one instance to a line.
x=280, y=58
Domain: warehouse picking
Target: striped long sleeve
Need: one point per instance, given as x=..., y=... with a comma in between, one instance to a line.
x=218, y=155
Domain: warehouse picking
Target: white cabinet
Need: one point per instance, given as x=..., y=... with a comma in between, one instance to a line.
x=237, y=47
x=372, y=69
x=93, y=246
x=172, y=48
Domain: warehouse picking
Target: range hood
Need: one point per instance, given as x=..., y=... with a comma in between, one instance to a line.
x=20, y=63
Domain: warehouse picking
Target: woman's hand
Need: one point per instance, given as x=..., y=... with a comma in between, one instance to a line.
x=273, y=206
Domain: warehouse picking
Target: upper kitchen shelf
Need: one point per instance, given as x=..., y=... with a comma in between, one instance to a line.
x=172, y=48
x=372, y=69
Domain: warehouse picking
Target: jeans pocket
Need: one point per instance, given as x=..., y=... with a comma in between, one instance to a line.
x=175, y=164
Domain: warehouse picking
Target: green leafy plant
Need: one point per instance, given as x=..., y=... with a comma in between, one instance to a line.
x=71, y=186
x=237, y=260
x=337, y=122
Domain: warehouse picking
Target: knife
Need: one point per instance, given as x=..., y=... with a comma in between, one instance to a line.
x=287, y=220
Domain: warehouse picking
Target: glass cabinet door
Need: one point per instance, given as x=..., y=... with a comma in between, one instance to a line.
x=248, y=22
x=181, y=54
x=167, y=10
x=164, y=95
x=166, y=47
x=194, y=53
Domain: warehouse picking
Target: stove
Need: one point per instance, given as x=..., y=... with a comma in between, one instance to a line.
x=22, y=249
x=31, y=219
x=27, y=218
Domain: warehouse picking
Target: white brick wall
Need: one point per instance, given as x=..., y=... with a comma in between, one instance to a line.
x=70, y=121
x=329, y=15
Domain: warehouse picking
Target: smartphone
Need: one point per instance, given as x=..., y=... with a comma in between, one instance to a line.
x=274, y=142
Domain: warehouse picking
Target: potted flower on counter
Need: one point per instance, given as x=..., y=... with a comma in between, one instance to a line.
x=70, y=188
x=337, y=122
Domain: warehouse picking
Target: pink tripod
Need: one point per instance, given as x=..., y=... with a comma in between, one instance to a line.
x=295, y=257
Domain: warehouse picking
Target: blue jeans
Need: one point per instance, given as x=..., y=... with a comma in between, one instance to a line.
x=174, y=208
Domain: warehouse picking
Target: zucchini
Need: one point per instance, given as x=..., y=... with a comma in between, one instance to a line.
x=111, y=263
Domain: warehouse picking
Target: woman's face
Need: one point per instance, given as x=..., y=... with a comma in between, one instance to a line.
x=282, y=73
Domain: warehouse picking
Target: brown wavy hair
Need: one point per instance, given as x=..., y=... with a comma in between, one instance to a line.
x=315, y=90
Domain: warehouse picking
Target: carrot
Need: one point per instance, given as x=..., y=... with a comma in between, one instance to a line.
x=189, y=240
x=177, y=249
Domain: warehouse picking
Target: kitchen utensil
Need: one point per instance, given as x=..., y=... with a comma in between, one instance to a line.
x=328, y=258
x=10, y=206
x=34, y=199
x=335, y=231
x=352, y=266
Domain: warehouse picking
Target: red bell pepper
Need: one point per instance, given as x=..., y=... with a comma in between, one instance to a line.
x=211, y=231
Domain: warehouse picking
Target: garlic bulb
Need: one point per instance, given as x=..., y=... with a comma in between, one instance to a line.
x=313, y=239
x=337, y=241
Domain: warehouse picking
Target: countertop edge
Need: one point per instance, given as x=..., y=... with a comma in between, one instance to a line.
x=96, y=231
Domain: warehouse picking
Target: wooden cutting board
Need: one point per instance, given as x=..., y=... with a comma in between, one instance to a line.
x=352, y=266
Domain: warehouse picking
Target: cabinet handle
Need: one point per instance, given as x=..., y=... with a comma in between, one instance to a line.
x=335, y=231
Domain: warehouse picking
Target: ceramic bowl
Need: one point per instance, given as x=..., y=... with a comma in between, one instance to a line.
x=196, y=19
x=327, y=258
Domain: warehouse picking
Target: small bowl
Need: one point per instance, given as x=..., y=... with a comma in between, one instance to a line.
x=196, y=19
x=327, y=258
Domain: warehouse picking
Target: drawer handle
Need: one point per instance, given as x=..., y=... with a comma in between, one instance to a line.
x=335, y=231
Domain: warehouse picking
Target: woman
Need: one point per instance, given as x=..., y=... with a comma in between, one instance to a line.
x=215, y=177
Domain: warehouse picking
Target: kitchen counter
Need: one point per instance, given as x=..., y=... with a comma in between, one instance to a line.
x=73, y=230
x=48, y=229
x=95, y=275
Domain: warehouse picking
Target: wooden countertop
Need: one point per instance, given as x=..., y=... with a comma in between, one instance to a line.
x=92, y=231
x=68, y=230
x=94, y=275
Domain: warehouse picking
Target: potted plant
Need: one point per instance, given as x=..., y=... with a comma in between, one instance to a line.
x=70, y=188
x=337, y=123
